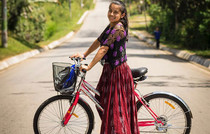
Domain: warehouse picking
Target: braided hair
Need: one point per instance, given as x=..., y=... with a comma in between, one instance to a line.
x=123, y=20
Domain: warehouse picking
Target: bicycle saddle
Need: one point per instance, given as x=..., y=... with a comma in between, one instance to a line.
x=139, y=72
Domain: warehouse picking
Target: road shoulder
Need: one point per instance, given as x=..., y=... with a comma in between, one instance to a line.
x=145, y=37
x=21, y=57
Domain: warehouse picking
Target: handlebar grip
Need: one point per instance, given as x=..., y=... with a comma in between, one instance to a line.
x=78, y=58
x=84, y=71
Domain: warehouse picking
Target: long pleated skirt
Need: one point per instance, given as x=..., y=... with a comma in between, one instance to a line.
x=117, y=98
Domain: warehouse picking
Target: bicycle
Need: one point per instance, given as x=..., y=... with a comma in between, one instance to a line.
x=158, y=112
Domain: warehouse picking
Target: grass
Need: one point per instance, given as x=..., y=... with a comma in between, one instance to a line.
x=15, y=46
x=204, y=53
x=137, y=22
x=63, y=24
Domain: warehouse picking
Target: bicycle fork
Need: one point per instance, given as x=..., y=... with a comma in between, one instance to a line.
x=70, y=110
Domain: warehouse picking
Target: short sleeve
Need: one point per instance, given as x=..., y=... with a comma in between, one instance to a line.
x=100, y=38
x=117, y=33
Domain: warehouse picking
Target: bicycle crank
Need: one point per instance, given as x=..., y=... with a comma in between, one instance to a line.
x=161, y=125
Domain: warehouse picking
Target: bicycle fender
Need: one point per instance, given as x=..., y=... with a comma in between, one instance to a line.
x=172, y=95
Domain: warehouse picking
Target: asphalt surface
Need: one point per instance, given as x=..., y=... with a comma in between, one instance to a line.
x=26, y=85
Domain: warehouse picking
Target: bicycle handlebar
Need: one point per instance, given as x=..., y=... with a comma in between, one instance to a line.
x=77, y=61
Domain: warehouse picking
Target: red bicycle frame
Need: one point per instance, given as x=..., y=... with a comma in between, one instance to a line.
x=86, y=88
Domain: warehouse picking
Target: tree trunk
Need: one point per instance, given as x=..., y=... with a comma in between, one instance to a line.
x=4, y=23
x=145, y=14
x=176, y=17
x=70, y=8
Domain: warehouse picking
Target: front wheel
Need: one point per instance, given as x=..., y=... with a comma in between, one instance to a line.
x=48, y=117
x=170, y=109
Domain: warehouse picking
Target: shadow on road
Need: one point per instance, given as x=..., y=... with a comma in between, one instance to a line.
x=158, y=56
x=162, y=81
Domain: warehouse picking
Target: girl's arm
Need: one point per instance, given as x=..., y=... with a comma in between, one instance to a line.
x=117, y=33
x=99, y=55
x=92, y=48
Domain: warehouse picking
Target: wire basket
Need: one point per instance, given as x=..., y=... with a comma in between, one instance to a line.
x=64, y=77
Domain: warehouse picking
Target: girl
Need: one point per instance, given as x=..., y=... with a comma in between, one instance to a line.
x=116, y=83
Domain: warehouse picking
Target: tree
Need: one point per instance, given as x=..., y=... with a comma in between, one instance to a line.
x=15, y=8
x=4, y=23
x=70, y=8
x=185, y=21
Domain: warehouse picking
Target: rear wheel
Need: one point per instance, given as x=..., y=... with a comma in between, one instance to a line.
x=48, y=117
x=174, y=114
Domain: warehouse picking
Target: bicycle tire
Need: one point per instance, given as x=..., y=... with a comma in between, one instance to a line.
x=166, y=103
x=55, y=108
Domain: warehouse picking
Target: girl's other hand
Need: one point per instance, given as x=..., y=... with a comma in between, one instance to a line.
x=84, y=67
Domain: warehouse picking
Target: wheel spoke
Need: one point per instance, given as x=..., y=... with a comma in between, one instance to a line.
x=51, y=115
x=168, y=111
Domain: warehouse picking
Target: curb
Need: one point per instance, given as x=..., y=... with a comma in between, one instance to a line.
x=178, y=53
x=21, y=57
x=83, y=17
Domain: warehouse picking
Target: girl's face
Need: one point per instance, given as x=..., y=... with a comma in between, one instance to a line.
x=114, y=13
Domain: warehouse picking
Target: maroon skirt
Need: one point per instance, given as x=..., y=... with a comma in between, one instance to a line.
x=117, y=98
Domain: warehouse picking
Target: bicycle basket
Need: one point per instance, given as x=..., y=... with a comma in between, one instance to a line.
x=64, y=76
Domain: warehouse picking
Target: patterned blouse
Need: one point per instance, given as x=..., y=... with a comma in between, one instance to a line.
x=115, y=39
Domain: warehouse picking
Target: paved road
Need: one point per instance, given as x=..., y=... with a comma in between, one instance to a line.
x=26, y=85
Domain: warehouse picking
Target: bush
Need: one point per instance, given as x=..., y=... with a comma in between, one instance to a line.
x=134, y=8
x=88, y=4
x=162, y=19
x=31, y=24
x=0, y=16
x=58, y=16
x=50, y=30
x=38, y=21
x=15, y=8
x=197, y=31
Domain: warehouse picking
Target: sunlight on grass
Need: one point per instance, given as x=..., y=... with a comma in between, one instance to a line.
x=138, y=22
x=59, y=23
x=14, y=47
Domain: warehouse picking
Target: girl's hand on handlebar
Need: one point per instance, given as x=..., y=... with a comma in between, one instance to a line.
x=84, y=67
x=77, y=55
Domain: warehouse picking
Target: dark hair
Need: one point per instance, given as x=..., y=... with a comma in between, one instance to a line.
x=123, y=9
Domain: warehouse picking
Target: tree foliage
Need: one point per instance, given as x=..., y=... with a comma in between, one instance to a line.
x=37, y=21
x=31, y=24
x=1, y=15
x=185, y=21
x=15, y=8
x=26, y=20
